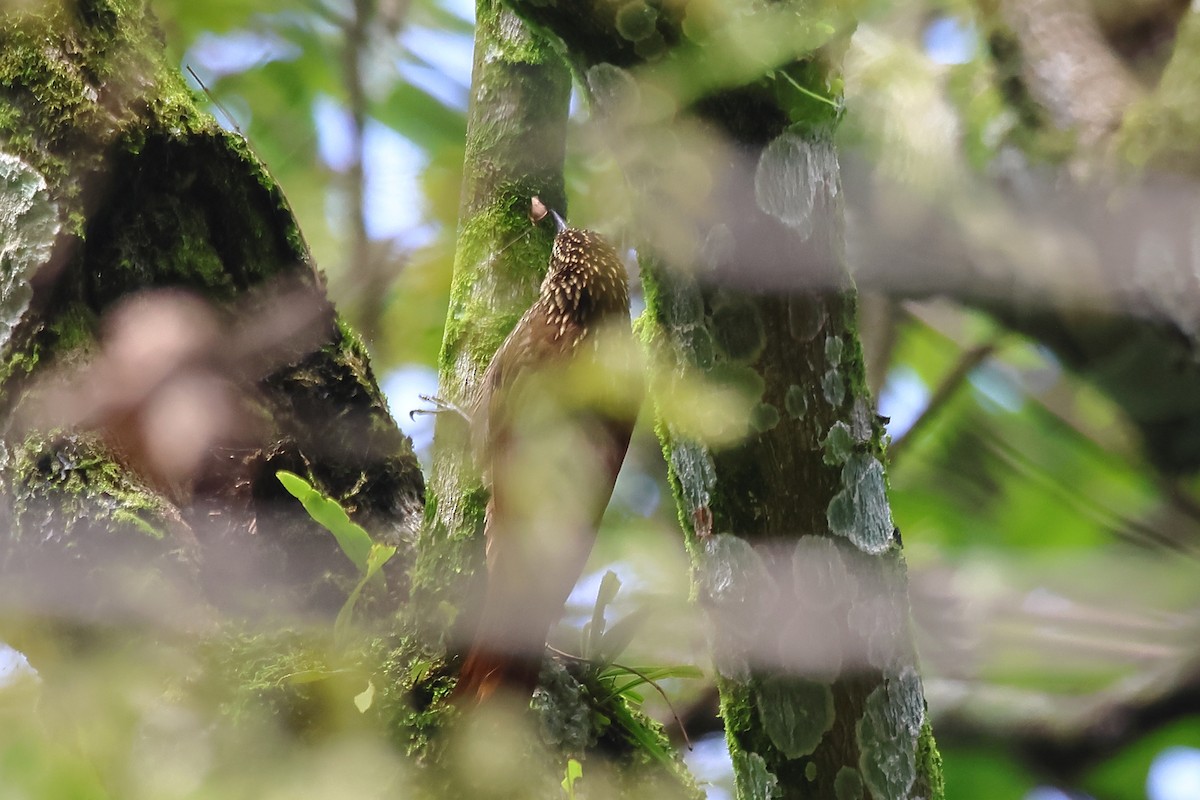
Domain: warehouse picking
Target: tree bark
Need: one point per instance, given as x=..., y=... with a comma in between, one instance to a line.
x=788, y=525
x=516, y=140
x=113, y=184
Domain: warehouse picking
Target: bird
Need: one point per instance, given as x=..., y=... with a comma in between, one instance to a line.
x=550, y=424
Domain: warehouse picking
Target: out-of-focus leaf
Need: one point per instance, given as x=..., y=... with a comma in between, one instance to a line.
x=1124, y=776
x=185, y=19
x=434, y=14
x=379, y=555
x=618, y=636
x=979, y=773
x=421, y=118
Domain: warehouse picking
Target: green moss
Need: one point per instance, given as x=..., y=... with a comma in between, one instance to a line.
x=473, y=321
x=69, y=487
x=682, y=511
x=518, y=44
x=20, y=364
x=753, y=779
x=298, y=680
x=125, y=517
x=1163, y=130
x=73, y=329
x=737, y=707
x=929, y=763
x=54, y=66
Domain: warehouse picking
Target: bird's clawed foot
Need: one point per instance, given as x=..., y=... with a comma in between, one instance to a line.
x=440, y=406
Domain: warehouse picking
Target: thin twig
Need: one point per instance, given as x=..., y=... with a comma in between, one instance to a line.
x=214, y=99
x=366, y=267
x=945, y=391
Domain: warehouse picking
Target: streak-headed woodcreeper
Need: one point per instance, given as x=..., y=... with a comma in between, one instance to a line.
x=550, y=426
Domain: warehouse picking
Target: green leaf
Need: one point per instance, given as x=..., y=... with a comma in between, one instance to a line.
x=656, y=673
x=617, y=638
x=421, y=118
x=637, y=730
x=574, y=773
x=610, y=584
x=310, y=676
x=417, y=671
x=377, y=556
x=364, y=699
x=643, y=675
x=355, y=542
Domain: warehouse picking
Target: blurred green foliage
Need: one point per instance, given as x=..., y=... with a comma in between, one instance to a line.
x=1025, y=500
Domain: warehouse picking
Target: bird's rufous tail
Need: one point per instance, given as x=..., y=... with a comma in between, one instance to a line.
x=486, y=672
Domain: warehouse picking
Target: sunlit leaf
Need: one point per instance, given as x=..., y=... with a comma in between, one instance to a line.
x=574, y=773
x=354, y=541
x=364, y=699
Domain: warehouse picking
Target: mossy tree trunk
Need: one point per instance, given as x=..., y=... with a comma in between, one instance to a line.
x=112, y=183
x=516, y=139
x=795, y=554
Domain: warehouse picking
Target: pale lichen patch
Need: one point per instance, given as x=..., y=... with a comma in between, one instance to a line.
x=695, y=471
x=877, y=623
x=821, y=574
x=833, y=387
x=838, y=444
x=636, y=20
x=614, y=91
x=833, y=350
x=738, y=328
x=861, y=421
x=887, y=735
x=754, y=781
x=848, y=784
x=806, y=317
x=796, y=713
x=764, y=417
x=795, y=401
x=29, y=224
x=718, y=248
x=735, y=586
x=860, y=510
x=793, y=179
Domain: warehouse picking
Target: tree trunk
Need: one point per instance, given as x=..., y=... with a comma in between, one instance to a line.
x=788, y=524
x=154, y=283
x=516, y=139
